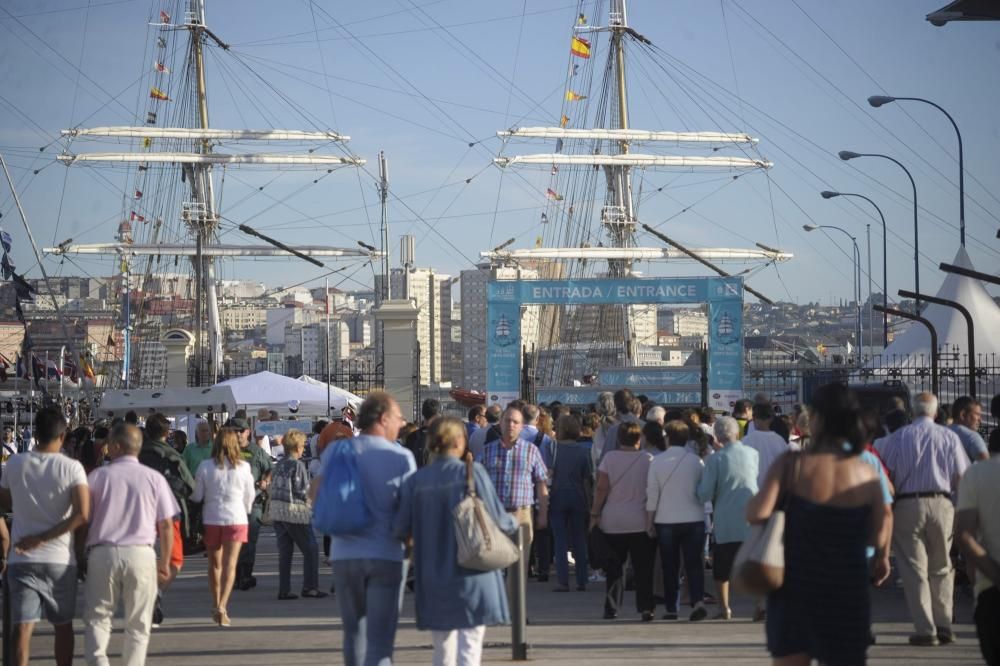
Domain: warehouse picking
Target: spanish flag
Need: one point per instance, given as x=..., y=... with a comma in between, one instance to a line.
x=574, y=97
x=580, y=47
x=85, y=365
x=156, y=93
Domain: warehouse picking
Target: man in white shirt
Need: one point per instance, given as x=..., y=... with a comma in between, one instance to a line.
x=7, y=448
x=768, y=445
x=48, y=493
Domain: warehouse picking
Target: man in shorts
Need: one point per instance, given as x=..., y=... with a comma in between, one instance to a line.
x=48, y=493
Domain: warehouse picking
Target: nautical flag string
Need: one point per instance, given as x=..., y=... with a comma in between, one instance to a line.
x=161, y=42
x=151, y=117
x=553, y=195
x=564, y=121
x=581, y=20
x=574, y=97
x=164, y=17
x=559, y=145
x=135, y=217
x=138, y=194
x=147, y=142
x=161, y=68
x=580, y=47
x=156, y=93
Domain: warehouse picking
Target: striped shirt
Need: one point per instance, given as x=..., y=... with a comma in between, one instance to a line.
x=514, y=471
x=923, y=457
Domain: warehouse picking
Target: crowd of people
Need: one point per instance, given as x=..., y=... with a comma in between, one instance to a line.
x=627, y=493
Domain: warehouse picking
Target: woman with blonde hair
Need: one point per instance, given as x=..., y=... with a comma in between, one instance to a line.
x=225, y=486
x=291, y=513
x=453, y=602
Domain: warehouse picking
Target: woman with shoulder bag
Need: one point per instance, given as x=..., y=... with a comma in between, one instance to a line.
x=833, y=510
x=453, y=602
x=619, y=510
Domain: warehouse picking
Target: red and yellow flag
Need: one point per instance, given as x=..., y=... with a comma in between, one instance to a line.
x=574, y=97
x=156, y=93
x=580, y=47
x=564, y=121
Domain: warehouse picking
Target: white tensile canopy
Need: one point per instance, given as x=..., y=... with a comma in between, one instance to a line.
x=335, y=391
x=912, y=347
x=169, y=401
x=273, y=391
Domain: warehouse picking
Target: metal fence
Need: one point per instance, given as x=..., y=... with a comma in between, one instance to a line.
x=789, y=380
x=359, y=376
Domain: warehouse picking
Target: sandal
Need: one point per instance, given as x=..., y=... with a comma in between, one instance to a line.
x=313, y=594
x=224, y=618
x=723, y=614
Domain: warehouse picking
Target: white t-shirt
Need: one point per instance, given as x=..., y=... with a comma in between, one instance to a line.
x=769, y=447
x=41, y=486
x=980, y=491
x=672, y=487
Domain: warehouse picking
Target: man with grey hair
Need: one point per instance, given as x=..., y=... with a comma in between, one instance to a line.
x=132, y=505
x=656, y=415
x=728, y=482
x=925, y=462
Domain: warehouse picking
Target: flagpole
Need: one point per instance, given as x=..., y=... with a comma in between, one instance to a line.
x=62, y=355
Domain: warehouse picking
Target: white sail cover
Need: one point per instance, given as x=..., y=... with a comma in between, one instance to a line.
x=915, y=342
x=626, y=135
x=640, y=253
x=213, y=158
x=203, y=134
x=635, y=160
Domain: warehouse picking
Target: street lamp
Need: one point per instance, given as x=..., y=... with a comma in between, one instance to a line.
x=879, y=100
x=849, y=155
x=827, y=194
x=857, y=275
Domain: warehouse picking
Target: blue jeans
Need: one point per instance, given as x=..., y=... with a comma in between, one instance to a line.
x=370, y=593
x=248, y=554
x=569, y=527
x=289, y=536
x=677, y=539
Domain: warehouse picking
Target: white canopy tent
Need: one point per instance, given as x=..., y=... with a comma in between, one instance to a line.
x=912, y=347
x=335, y=392
x=167, y=401
x=273, y=391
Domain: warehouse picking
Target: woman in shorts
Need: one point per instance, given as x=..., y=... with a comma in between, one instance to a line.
x=225, y=485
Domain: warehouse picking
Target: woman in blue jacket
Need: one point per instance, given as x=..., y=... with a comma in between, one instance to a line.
x=454, y=603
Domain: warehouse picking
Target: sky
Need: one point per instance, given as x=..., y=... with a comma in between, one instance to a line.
x=424, y=79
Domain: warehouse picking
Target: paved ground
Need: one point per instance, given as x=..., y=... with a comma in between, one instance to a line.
x=565, y=628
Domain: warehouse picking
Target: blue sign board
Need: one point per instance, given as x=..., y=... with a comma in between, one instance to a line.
x=724, y=296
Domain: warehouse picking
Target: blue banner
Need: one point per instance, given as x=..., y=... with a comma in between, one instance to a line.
x=724, y=296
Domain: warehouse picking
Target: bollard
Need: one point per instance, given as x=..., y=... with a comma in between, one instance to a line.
x=8, y=629
x=518, y=603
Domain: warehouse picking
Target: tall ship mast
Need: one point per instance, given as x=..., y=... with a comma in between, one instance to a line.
x=172, y=159
x=590, y=223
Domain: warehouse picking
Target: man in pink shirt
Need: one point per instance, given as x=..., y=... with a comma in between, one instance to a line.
x=132, y=505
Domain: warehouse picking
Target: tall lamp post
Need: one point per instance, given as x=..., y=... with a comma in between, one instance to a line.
x=849, y=155
x=827, y=194
x=879, y=100
x=857, y=274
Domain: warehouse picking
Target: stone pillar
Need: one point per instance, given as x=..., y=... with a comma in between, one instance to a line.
x=180, y=346
x=399, y=325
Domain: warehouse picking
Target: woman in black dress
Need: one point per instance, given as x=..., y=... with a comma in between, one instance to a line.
x=834, y=510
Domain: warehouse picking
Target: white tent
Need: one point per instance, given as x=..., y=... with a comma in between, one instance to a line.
x=912, y=347
x=335, y=391
x=169, y=401
x=272, y=391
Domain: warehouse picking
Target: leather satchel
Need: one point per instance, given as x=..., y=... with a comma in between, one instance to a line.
x=482, y=546
x=759, y=566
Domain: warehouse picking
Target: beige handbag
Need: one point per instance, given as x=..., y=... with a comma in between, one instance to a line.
x=759, y=566
x=482, y=546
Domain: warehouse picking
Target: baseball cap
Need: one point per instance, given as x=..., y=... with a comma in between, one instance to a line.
x=238, y=423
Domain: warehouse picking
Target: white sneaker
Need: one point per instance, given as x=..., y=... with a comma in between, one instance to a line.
x=596, y=577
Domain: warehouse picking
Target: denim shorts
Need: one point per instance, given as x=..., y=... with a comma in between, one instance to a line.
x=38, y=586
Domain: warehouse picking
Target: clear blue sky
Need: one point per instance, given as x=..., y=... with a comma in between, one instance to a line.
x=422, y=79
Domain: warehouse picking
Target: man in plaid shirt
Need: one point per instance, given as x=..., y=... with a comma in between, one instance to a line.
x=518, y=473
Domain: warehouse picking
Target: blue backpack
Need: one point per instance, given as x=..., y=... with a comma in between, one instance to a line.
x=340, y=508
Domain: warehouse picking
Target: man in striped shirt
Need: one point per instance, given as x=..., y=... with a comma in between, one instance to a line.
x=925, y=462
x=519, y=475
